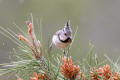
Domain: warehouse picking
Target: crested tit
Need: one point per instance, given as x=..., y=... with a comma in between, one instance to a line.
x=62, y=38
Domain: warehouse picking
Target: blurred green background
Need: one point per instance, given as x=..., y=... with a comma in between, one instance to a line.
x=98, y=21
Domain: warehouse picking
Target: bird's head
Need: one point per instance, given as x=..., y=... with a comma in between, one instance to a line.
x=66, y=32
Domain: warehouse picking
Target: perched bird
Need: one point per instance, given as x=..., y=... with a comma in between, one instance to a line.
x=62, y=38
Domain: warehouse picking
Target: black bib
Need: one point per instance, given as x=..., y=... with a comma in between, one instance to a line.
x=65, y=41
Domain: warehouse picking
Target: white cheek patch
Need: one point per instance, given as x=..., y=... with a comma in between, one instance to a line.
x=63, y=37
x=58, y=43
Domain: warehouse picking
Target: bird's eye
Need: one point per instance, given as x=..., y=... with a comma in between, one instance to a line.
x=65, y=34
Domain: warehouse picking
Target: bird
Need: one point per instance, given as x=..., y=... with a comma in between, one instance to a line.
x=62, y=38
